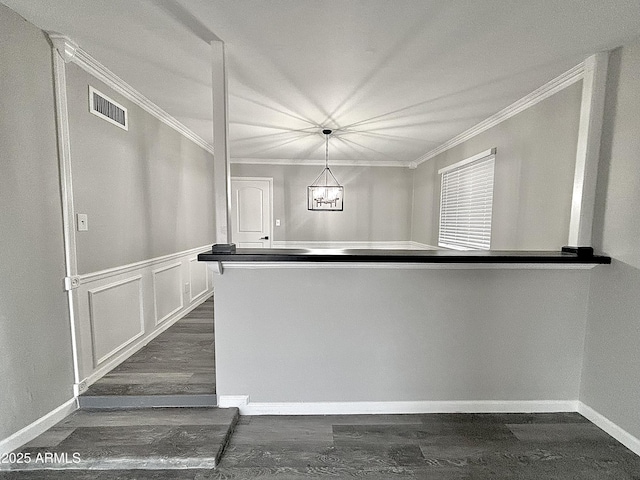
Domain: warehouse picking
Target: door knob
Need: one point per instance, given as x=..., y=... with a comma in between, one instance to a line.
x=264, y=238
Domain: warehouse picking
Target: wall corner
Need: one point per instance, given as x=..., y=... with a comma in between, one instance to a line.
x=66, y=47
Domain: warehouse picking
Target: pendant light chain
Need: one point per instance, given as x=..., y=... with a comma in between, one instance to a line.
x=326, y=151
x=326, y=156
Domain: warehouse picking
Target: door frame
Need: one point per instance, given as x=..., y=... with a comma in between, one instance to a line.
x=271, y=220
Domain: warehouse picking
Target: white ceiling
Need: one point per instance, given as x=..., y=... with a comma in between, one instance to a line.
x=394, y=78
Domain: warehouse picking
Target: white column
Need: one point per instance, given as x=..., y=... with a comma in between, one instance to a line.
x=220, y=142
x=64, y=50
x=588, y=151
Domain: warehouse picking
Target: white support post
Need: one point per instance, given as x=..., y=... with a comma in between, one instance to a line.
x=588, y=151
x=64, y=50
x=221, y=179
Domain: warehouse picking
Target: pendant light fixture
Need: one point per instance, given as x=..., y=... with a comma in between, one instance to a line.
x=325, y=193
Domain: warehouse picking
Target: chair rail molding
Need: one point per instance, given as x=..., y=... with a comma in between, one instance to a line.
x=109, y=272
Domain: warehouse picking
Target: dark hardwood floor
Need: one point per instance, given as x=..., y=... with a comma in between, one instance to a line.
x=180, y=361
x=152, y=438
x=186, y=443
x=562, y=446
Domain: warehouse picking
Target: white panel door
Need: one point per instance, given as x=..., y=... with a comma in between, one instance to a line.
x=251, y=212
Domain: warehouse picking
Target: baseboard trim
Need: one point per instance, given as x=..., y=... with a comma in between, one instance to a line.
x=38, y=427
x=247, y=407
x=233, y=401
x=617, y=432
x=384, y=245
x=80, y=388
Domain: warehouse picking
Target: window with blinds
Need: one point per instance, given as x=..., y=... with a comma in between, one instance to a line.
x=466, y=203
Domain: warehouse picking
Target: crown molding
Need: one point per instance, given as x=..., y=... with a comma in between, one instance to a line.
x=561, y=82
x=64, y=45
x=316, y=163
x=71, y=52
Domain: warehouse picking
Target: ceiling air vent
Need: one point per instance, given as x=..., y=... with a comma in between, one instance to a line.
x=107, y=109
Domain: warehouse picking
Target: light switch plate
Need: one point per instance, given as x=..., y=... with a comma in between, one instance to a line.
x=83, y=222
x=277, y=222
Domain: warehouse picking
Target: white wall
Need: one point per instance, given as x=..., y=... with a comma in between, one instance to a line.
x=611, y=375
x=534, y=170
x=149, y=197
x=148, y=194
x=388, y=335
x=532, y=197
x=35, y=347
x=148, y=191
x=510, y=335
x=377, y=203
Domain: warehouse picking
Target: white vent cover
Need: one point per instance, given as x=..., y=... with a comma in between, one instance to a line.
x=107, y=109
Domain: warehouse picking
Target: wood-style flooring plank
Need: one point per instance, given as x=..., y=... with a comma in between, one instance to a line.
x=180, y=361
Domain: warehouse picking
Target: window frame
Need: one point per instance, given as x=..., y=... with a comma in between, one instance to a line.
x=468, y=163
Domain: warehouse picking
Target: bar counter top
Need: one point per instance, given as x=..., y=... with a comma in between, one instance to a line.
x=568, y=255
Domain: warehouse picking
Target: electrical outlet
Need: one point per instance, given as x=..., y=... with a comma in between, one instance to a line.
x=81, y=387
x=83, y=222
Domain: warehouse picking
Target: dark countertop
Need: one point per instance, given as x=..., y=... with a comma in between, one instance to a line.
x=402, y=256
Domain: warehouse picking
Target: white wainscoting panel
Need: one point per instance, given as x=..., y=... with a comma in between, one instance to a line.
x=198, y=279
x=116, y=316
x=121, y=309
x=167, y=291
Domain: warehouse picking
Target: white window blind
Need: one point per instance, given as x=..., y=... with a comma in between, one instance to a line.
x=466, y=202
